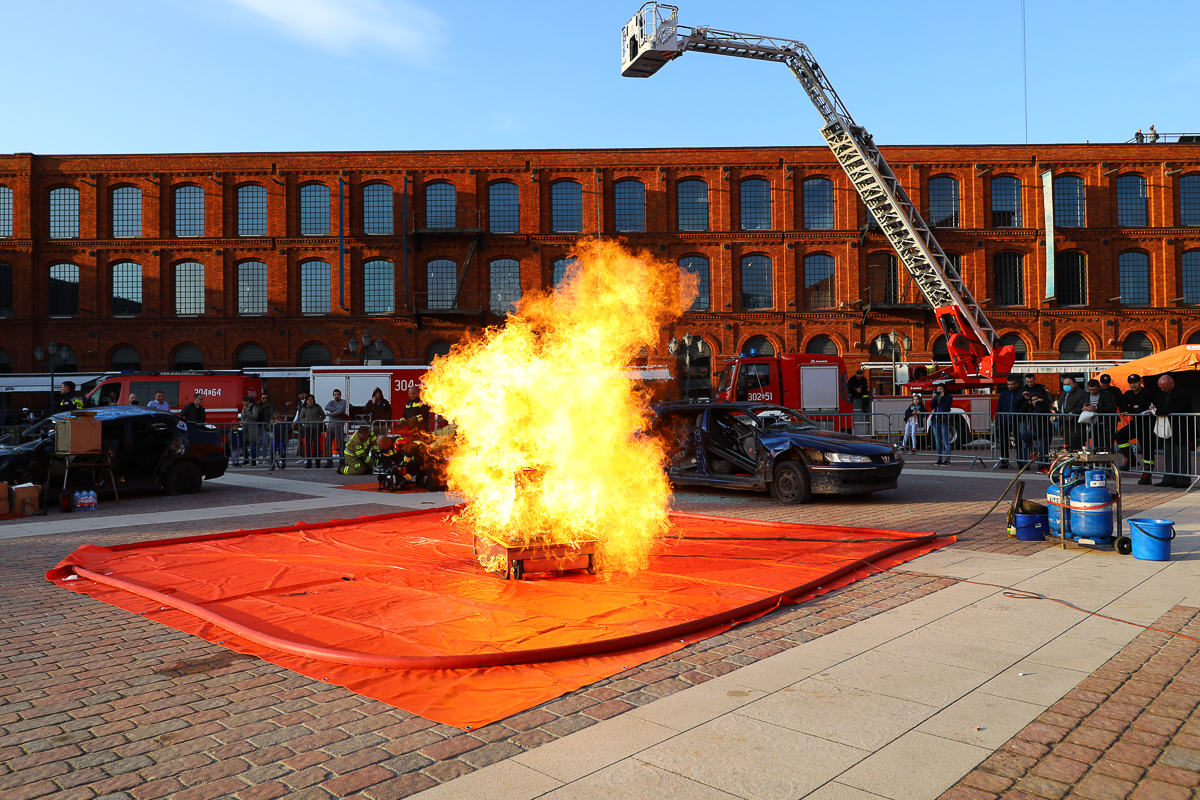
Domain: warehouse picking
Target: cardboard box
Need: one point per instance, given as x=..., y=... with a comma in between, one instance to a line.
x=3, y=498
x=24, y=499
x=77, y=435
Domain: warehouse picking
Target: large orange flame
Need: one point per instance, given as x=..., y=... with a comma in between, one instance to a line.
x=547, y=418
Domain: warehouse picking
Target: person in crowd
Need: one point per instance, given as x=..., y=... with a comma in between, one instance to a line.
x=1104, y=405
x=1010, y=406
x=1153, y=137
x=860, y=391
x=266, y=418
x=1137, y=433
x=913, y=415
x=1139, y=137
x=1037, y=424
x=337, y=413
x=310, y=417
x=378, y=408
x=1106, y=386
x=357, y=456
x=416, y=411
x=301, y=397
x=940, y=409
x=69, y=399
x=1070, y=406
x=245, y=445
x=159, y=403
x=133, y=401
x=194, y=411
x=280, y=434
x=1178, y=433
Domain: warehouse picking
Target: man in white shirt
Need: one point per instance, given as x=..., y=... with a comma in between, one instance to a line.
x=159, y=403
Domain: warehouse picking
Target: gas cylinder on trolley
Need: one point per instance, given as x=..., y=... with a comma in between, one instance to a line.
x=1058, y=501
x=1091, y=517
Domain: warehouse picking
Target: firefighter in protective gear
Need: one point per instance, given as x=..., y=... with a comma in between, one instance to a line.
x=359, y=458
x=69, y=400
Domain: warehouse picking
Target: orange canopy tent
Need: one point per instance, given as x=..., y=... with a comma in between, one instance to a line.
x=1185, y=358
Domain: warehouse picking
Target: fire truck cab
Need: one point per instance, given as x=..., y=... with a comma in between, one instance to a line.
x=809, y=383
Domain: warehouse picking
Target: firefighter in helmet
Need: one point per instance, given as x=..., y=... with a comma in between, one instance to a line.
x=359, y=458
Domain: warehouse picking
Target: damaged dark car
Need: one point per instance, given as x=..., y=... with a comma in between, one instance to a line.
x=759, y=447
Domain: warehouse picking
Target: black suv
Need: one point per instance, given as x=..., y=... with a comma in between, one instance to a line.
x=148, y=448
x=759, y=446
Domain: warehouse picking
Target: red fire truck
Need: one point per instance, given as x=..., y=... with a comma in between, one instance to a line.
x=812, y=384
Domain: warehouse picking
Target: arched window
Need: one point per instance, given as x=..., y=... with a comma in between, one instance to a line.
x=189, y=210
x=126, y=289
x=313, y=355
x=250, y=356
x=1131, y=201
x=6, y=290
x=1008, y=271
x=692, y=204
x=756, y=282
x=378, y=352
x=126, y=212
x=1070, y=278
x=943, y=202
x=883, y=345
x=1189, y=200
x=1137, y=345
x=504, y=285
x=1134, y=269
x=1074, y=347
x=883, y=281
x=694, y=368
x=252, y=288
x=818, y=281
x=756, y=204
x=252, y=210
x=629, y=198
x=818, y=204
x=758, y=346
x=379, y=286
x=698, y=266
x=6, y=212
x=940, y=351
x=441, y=277
x=1006, y=202
x=822, y=346
x=566, y=207
x=68, y=359
x=315, y=287
x=63, y=292
x=314, y=209
x=1018, y=345
x=186, y=357
x=125, y=359
x=441, y=205
x=1069, y=202
x=378, y=209
x=436, y=350
x=504, y=207
x=562, y=269
x=189, y=288
x=64, y=213
x=1194, y=338
x=1190, y=267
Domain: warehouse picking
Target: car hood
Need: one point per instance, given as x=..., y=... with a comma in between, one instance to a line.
x=826, y=441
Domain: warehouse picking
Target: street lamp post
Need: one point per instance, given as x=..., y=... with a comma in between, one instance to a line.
x=51, y=352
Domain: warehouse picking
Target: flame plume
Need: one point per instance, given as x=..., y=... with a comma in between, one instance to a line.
x=547, y=420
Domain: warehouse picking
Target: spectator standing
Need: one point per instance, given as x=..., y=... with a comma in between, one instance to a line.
x=68, y=399
x=246, y=439
x=159, y=403
x=1037, y=427
x=1101, y=403
x=1153, y=137
x=266, y=417
x=194, y=411
x=1139, y=137
x=940, y=410
x=912, y=423
x=337, y=413
x=1136, y=402
x=1177, y=435
x=1009, y=408
x=1070, y=406
x=1106, y=386
x=301, y=397
x=378, y=408
x=310, y=417
x=416, y=410
x=281, y=434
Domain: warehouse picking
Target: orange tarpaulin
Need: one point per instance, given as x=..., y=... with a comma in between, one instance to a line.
x=1184, y=358
x=396, y=608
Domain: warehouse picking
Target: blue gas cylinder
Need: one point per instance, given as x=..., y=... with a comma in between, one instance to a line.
x=1058, y=501
x=1092, y=508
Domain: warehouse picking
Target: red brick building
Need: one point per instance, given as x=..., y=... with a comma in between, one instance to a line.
x=215, y=261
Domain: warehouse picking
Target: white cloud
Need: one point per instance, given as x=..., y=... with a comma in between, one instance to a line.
x=340, y=26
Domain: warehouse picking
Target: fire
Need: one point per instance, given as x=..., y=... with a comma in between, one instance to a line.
x=548, y=445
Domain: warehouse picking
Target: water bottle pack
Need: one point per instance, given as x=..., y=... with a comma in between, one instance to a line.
x=85, y=500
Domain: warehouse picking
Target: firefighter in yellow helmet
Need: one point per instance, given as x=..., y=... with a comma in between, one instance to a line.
x=359, y=458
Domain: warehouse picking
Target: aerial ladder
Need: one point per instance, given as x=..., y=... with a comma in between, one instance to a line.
x=653, y=37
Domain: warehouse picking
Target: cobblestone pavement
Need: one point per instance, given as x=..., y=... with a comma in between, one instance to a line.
x=1129, y=730
x=95, y=702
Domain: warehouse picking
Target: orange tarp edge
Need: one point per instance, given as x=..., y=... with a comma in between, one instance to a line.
x=1185, y=357
x=407, y=587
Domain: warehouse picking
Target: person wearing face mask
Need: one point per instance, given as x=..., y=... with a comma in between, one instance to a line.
x=1070, y=406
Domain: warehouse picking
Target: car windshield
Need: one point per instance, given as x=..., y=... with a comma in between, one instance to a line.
x=773, y=418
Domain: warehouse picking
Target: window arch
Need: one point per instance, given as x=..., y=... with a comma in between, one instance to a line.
x=63, y=294
x=1137, y=345
x=252, y=210
x=189, y=288
x=758, y=346
x=756, y=204
x=314, y=354
x=1008, y=275
x=1070, y=278
x=821, y=345
x=315, y=287
x=1070, y=202
x=6, y=290
x=1194, y=338
x=943, y=202
x=1131, y=201
x=379, y=286
x=436, y=350
x=882, y=345
x=1189, y=200
x=566, y=207
x=562, y=269
x=126, y=208
x=314, y=209
x=441, y=205
x=252, y=288
x=629, y=200
x=1074, y=347
x=1018, y=344
x=883, y=279
x=1190, y=267
x=1006, y=201
x=818, y=204
x=379, y=210
x=940, y=350
x=126, y=289
x=504, y=207
x=504, y=285
x=189, y=210
x=691, y=201
x=818, y=281
x=1133, y=267
x=64, y=213
x=6, y=212
x=698, y=266
x=441, y=277
x=186, y=357
x=379, y=351
x=694, y=368
x=756, y=282
x=68, y=359
x=250, y=356
x=125, y=359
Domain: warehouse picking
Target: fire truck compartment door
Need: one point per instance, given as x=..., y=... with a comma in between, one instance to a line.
x=819, y=387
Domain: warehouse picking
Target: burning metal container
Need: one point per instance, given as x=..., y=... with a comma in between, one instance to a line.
x=513, y=560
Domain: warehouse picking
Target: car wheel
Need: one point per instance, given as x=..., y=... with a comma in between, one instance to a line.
x=183, y=478
x=791, y=484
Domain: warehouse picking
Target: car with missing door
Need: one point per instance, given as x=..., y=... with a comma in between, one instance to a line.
x=760, y=447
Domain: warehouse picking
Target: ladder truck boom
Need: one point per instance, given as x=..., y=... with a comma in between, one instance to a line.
x=653, y=37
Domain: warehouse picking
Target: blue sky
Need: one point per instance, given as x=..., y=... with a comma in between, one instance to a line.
x=145, y=76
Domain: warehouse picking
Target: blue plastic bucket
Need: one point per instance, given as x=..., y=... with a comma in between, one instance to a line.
x=1032, y=527
x=1152, y=538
